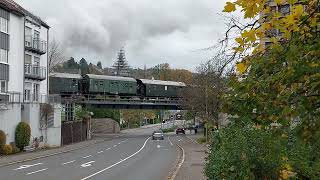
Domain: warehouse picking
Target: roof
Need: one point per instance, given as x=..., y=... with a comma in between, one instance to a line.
x=116, y=78
x=17, y=9
x=66, y=75
x=11, y=6
x=166, y=83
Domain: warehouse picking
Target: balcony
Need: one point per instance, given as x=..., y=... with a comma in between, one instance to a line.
x=35, y=72
x=36, y=45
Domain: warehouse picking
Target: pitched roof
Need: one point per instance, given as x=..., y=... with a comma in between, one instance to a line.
x=115, y=78
x=19, y=10
x=65, y=75
x=166, y=83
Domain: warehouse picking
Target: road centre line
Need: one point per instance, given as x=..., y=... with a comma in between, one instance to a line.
x=37, y=171
x=101, y=171
x=108, y=149
x=170, y=141
x=86, y=157
x=68, y=162
x=99, y=152
x=114, y=145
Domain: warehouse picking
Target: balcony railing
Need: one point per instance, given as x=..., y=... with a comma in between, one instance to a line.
x=36, y=45
x=35, y=72
x=11, y=97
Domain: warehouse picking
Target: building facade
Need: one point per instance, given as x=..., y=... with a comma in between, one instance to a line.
x=24, y=73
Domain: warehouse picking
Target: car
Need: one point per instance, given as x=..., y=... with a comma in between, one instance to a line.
x=157, y=135
x=180, y=131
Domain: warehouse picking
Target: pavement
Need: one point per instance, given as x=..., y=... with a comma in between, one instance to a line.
x=193, y=166
x=130, y=155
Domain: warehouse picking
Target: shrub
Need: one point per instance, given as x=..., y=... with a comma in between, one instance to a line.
x=3, y=139
x=22, y=135
x=245, y=153
x=7, y=149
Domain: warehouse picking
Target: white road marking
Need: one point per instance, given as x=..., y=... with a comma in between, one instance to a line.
x=108, y=149
x=88, y=164
x=101, y=171
x=179, y=140
x=114, y=145
x=86, y=157
x=170, y=141
x=158, y=146
x=180, y=164
x=99, y=152
x=119, y=143
x=69, y=162
x=166, y=149
x=27, y=166
x=37, y=171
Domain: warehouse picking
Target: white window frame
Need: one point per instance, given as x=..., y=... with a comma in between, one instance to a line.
x=28, y=40
x=4, y=25
x=5, y=86
x=4, y=56
x=27, y=91
x=36, y=92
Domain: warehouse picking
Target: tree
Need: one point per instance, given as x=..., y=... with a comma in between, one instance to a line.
x=121, y=66
x=84, y=67
x=22, y=135
x=99, y=64
x=274, y=98
x=55, y=55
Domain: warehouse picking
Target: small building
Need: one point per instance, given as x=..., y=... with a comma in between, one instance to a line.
x=24, y=75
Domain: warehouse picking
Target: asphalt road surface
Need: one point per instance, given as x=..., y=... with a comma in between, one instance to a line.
x=132, y=156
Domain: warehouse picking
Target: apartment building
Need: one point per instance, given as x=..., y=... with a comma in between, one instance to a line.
x=284, y=9
x=23, y=72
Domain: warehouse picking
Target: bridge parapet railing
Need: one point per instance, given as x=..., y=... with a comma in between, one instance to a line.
x=90, y=98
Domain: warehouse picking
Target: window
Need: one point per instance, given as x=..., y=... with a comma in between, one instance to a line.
x=3, y=86
x=36, y=92
x=166, y=88
x=36, y=61
x=36, y=42
x=101, y=83
x=27, y=91
x=3, y=55
x=28, y=59
x=284, y=9
x=3, y=25
x=28, y=32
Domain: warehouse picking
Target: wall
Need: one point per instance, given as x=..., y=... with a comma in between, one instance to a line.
x=9, y=119
x=104, y=126
x=54, y=133
x=16, y=54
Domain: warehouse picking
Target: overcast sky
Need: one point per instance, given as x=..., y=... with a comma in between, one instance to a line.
x=151, y=31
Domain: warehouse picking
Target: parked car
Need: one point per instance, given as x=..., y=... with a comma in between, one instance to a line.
x=157, y=135
x=180, y=131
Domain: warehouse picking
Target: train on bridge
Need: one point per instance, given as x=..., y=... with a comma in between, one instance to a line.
x=113, y=86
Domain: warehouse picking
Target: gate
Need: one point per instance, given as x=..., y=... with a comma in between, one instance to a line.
x=73, y=132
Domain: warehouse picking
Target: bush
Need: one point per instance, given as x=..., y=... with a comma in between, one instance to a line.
x=22, y=135
x=7, y=149
x=245, y=153
x=172, y=129
x=3, y=140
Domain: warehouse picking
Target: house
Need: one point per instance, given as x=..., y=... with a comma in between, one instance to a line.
x=23, y=75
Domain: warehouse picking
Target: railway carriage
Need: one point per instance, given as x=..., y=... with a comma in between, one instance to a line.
x=109, y=85
x=64, y=84
x=157, y=88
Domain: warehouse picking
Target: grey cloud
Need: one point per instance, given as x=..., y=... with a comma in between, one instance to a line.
x=149, y=29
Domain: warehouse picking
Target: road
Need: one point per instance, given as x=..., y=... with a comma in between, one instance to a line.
x=132, y=155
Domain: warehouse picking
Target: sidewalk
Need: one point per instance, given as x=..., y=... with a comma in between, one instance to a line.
x=23, y=157
x=193, y=166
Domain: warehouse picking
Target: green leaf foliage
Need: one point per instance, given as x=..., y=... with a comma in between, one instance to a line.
x=22, y=135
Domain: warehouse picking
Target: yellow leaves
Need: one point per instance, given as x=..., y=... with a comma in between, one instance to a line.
x=279, y=2
x=230, y=7
x=242, y=67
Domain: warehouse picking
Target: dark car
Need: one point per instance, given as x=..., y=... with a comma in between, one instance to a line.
x=180, y=131
x=157, y=135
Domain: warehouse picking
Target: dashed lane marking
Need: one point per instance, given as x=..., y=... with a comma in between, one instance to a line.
x=86, y=157
x=88, y=164
x=37, y=171
x=105, y=169
x=69, y=162
x=99, y=152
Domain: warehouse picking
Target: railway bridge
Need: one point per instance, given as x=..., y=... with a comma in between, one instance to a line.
x=126, y=103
